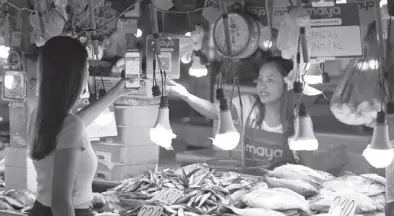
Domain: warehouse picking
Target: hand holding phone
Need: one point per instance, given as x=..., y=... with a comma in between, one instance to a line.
x=133, y=69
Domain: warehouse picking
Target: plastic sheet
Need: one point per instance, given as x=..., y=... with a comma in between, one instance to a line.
x=357, y=97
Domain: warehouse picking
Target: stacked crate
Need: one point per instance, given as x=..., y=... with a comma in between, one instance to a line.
x=131, y=152
x=19, y=169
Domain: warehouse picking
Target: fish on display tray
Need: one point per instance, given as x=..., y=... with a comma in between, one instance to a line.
x=279, y=200
x=291, y=190
x=25, y=197
x=302, y=187
x=360, y=184
x=365, y=204
x=296, y=172
x=326, y=176
x=380, y=198
x=375, y=177
x=255, y=212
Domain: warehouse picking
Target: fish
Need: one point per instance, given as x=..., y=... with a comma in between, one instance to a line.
x=375, y=177
x=289, y=192
x=259, y=185
x=25, y=197
x=255, y=212
x=364, y=203
x=98, y=200
x=296, y=172
x=326, y=176
x=278, y=200
x=5, y=206
x=354, y=182
x=380, y=198
x=326, y=214
x=367, y=214
x=236, y=196
x=12, y=202
x=299, y=186
x=375, y=214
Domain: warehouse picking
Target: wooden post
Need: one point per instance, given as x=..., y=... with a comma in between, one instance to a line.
x=20, y=173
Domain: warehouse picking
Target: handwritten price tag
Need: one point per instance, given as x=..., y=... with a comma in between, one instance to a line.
x=169, y=196
x=148, y=210
x=343, y=206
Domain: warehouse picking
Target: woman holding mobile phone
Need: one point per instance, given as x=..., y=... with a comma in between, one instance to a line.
x=62, y=155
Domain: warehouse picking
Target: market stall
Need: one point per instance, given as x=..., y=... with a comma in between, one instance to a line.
x=340, y=52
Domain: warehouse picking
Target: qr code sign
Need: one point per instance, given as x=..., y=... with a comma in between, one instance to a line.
x=165, y=62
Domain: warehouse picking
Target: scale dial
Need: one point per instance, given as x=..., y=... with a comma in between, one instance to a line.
x=239, y=29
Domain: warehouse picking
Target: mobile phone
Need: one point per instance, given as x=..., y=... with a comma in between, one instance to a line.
x=133, y=68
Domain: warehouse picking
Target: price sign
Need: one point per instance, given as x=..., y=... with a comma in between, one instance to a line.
x=169, y=196
x=148, y=210
x=343, y=206
x=334, y=34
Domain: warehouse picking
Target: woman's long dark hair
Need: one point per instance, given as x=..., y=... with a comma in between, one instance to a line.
x=61, y=67
x=284, y=67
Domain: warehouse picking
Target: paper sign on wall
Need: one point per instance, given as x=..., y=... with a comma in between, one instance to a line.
x=343, y=206
x=333, y=33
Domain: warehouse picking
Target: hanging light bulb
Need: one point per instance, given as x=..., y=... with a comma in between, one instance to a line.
x=188, y=34
x=227, y=136
x=187, y=58
x=4, y=52
x=380, y=153
x=161, y=134
x=8, y=81
x=92, y=55
x=139, y=33
x=304, y=138
x=314, y=74
x=198, y=69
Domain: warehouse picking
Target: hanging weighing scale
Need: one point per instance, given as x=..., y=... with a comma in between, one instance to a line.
x=244, y=35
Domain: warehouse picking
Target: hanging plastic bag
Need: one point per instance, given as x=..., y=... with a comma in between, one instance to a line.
x=357, y=97
x=289, y=31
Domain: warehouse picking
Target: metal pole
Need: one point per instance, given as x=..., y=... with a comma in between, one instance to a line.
x=382, y=67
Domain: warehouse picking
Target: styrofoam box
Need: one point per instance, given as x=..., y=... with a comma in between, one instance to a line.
x=136, y=135
x=118, y=153
x=120, y=172
x=136, y=116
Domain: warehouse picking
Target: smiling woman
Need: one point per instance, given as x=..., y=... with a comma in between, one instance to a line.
x=267, y=115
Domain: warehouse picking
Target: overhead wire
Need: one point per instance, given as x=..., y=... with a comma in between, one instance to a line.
x=176, y=12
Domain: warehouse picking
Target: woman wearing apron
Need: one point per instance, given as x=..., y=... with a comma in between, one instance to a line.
x=267, y=115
